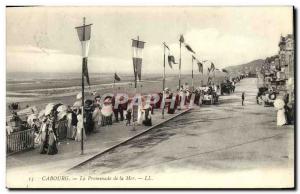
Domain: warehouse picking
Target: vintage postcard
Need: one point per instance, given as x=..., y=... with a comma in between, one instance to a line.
x=150, y=97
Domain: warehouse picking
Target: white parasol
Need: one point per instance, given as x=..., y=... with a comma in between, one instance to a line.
x=49, y=108
x=77, y=104
x=41, y=113
x=28, y=111
x=62, y=108
x=31, y=118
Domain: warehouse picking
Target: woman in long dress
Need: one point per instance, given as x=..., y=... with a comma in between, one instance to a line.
x=79, y=128
x=96, y=117
x=281, y=118
x=44, y=136
x=62, y=126
x=69, y=125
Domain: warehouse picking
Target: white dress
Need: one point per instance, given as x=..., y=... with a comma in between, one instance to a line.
x=281, y=120
x=70, y=127
x=141, y=115
x=79, y=129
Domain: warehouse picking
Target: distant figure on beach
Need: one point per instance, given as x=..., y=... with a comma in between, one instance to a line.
x=243, y=98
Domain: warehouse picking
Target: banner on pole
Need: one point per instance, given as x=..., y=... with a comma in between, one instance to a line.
x=84, y=32
x=171, y=60
x=137, y=55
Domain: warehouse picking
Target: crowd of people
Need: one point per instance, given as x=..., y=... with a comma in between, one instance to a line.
x=58, y=122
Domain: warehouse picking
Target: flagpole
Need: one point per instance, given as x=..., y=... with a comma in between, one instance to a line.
x=114, y=83
x=135, y=83
x=135, y=77
x=179, y=64
x=82, y=87
x=214, y=77
x=192, y=73
x=164, y=82
x=202, y=78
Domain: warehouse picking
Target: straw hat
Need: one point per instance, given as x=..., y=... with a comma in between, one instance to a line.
x=61, y=115
x=107, y=101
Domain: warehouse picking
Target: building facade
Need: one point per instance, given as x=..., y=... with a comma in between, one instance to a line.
x=286, y=60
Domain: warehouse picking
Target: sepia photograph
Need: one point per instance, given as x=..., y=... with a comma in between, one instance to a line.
x=150, y=97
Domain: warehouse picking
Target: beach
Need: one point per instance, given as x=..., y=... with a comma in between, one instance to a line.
x=35, y=89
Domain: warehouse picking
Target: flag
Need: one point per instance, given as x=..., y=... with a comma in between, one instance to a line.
x=171, y=59
x=212, y=67
x=138, y=44
x=137, y=49
x=117, y=78
x=84, y=32
x=224, y=70
x=200, y=66
x=181, y=39
x=85, y=70
x=209, y=81
x=84, y=35
x=137, y=67
x=166, y=46
x=189, y=48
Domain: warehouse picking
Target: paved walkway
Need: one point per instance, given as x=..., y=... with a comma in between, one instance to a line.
x=69, y=151
x=223, y=145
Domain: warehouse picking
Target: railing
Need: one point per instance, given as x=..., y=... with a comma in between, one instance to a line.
x=19, y=141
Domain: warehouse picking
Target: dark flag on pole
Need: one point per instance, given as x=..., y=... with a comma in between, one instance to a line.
x=171, y=60
x=181, y=39
x=224, y=70
x=200, y=66
x=212, y=67
x=84, y=35
x=189, y=48
x=137, y=47
x=85, y=70
x=84, y=30
x=209, y=80
x=117, y=78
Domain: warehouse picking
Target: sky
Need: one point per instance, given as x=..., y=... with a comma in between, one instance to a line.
x=44, y=39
